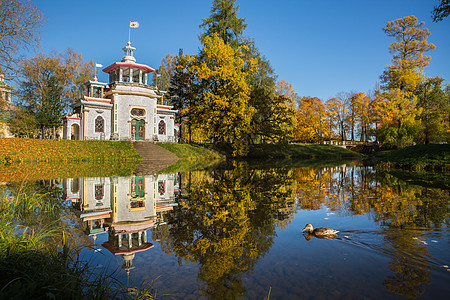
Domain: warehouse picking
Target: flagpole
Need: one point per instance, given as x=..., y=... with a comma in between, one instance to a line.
x=129, y=31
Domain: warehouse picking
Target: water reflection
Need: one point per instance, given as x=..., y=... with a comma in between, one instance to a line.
x=229, y=221
x=122, y=207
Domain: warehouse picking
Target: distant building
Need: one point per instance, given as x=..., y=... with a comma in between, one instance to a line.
x=5, y=107
x=126, y=108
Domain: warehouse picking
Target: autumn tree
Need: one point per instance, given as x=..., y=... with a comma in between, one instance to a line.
x=19, y=30
x=400, y=78
x=163, y=75
x=273, y=119
x=338, y=113
x=69, y=70
x=441, y=11
x=312, y=124
x=362, y=107
x=223, y=109
x=224, y=22
x=284, y=112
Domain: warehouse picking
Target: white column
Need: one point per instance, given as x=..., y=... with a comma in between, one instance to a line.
x=139, y=238
x=130, y=240
x=144, y=236
x=140, y=76
x=131, y=75
x=120, y=75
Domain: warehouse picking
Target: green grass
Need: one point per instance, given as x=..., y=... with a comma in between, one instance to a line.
x=192, y=157
x=417, y=158
x=190, y=151
x=299, y=151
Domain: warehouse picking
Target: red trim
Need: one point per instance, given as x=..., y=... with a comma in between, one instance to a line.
x=129, y=65
x=115, y=250
x=98, y=215
x=72, y=118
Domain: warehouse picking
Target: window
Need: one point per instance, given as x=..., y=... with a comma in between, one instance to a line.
x=74, y=186
x=99, y=124
x=162, y=127
x=99, y=191
x=138, y=112
x=161, y=187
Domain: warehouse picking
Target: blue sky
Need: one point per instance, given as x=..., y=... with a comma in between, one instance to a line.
x=322, y=47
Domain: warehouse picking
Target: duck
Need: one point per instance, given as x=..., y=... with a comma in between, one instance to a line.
x=320, y=231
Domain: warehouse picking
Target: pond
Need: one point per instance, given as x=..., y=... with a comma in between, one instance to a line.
x=235, y=232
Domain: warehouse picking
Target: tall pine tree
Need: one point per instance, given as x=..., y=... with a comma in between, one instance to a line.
x=225, y=23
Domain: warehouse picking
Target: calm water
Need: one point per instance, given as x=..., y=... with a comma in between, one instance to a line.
x=235, y=232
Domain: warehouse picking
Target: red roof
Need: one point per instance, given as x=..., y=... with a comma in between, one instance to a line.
x=127, y=65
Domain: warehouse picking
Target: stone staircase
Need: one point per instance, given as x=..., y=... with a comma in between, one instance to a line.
x=154, y=158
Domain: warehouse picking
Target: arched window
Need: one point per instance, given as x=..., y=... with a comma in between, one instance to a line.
x=75, y=132
x=162, y=127
x=99, y=124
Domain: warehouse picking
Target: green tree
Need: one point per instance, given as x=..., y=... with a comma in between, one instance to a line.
x=225, y=23
x=23, y=124
x=19, y=30
x=51, y=109
x=441, y=11
x=182, y=93
x=435, y=104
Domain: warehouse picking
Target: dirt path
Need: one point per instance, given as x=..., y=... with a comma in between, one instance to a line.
x=154, y=158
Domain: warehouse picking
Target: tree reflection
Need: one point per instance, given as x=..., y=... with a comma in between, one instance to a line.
x=226, y=222
x=227, y=218
x=409, y=265
x=391, y=202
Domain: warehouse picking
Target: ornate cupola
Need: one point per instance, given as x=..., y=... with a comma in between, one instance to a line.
x=128, y=50
x=127, y=70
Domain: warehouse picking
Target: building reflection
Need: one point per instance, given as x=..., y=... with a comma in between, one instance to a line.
x=124, y=208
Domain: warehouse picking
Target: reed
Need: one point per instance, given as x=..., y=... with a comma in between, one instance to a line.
x=38, y=261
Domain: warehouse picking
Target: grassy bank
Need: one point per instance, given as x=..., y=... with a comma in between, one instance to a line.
x=191, y=152
x=417, y=158
x=15, y=150
x=299, y=151
x=425, y=165
x=192, y=157
x=39, y=171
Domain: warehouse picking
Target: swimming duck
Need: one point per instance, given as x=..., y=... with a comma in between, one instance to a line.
x=321, y=231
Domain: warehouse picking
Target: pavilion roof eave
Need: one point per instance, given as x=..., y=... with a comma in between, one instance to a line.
x=128, y=65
